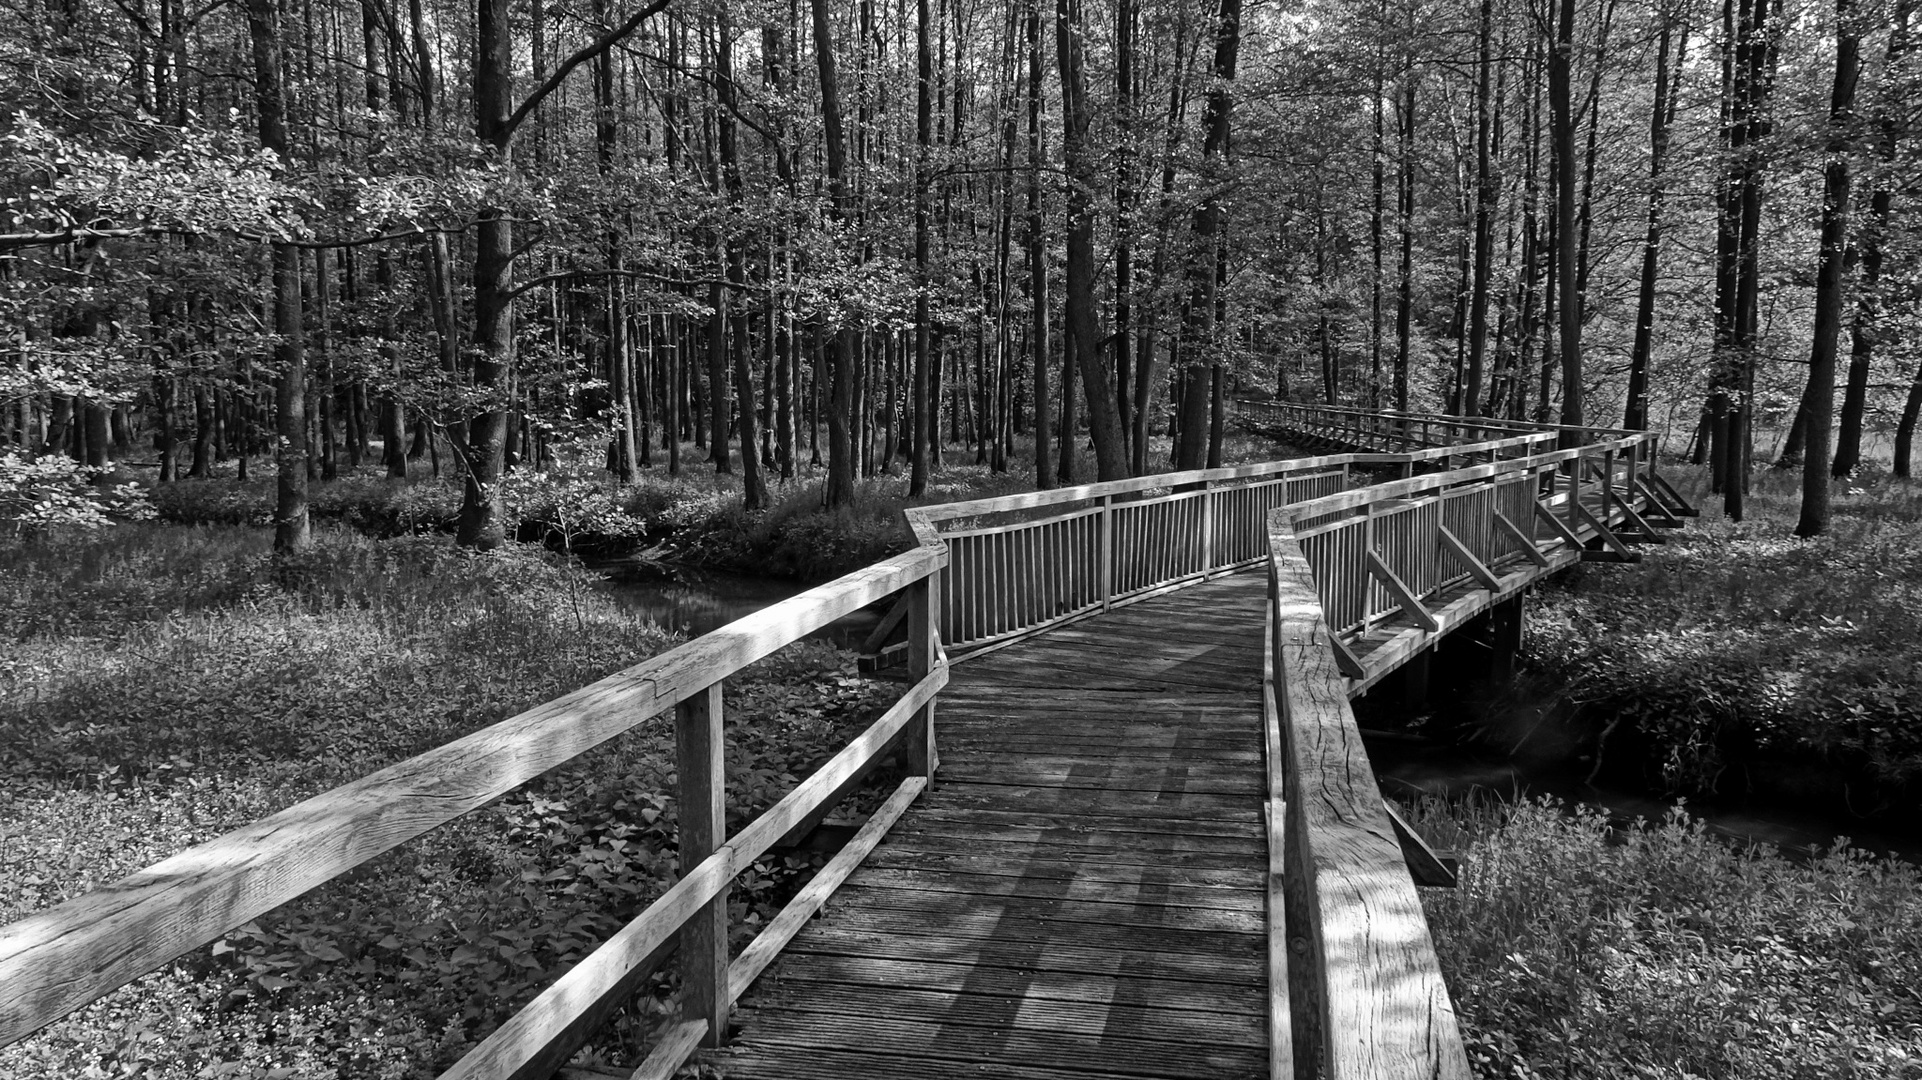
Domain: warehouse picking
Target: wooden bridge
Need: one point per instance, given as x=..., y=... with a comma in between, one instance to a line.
x=1138, y=834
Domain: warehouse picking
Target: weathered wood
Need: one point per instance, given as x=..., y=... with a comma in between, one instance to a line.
x=1424, y=866
x=701, y=787
x=1385, y=1010
x=1405, y=597
x=1557, y=526
x=672, y=1050
x=58, y=960
x=1523, y=540
x=897, y=611
x=769, y=942
x=1476, y=569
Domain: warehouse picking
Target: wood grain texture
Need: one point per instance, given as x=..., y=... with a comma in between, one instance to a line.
x=1096, y=855
x=1384, y=1009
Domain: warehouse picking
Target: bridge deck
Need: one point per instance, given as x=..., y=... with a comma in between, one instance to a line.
x=1081, y=895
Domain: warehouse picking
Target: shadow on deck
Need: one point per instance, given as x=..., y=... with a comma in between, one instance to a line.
x=1081, y=894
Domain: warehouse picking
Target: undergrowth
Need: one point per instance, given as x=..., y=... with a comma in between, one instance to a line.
x=164, y=685
x=1737, y=644
x=1661, y=951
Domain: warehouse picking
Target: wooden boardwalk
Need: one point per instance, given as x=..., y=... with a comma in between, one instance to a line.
x=1080, y=895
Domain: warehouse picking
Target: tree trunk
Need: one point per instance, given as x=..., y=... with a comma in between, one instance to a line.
x=1037, y=244
x=291, y=529
x=1097, y=380
x=1199, y=330
x=1562, y=139
x=1635, y=414
x=1814, y=519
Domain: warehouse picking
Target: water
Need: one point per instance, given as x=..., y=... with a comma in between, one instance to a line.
x=698, y=601
x=1412, y=764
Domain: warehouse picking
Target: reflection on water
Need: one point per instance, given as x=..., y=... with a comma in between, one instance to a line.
x=697, y=602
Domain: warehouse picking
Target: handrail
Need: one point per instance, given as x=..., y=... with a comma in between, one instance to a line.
x=1373, y=1003
x=58, y=960
x=1403, y=414
x=1098, y=549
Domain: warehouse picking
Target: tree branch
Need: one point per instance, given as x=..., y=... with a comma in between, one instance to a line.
x=594, y=49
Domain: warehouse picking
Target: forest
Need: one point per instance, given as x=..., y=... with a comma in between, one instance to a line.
x=352, y=295
x=853, y=240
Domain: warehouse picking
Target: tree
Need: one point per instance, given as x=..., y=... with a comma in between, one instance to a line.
x=1820, y=401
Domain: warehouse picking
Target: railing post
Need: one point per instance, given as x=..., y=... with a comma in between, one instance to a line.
x=1608, y=482
x=924, y=621
x=702, y=797
x=1207, y=526
x=1105, y=571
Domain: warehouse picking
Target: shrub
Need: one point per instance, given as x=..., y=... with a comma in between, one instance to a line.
x=1574, y=949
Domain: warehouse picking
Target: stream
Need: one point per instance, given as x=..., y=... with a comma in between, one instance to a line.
x=698, y=601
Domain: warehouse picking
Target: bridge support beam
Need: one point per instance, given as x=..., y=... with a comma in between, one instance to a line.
x=1504, y=637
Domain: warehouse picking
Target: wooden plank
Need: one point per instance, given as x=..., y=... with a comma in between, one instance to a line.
x=1410, y=604
x=1476, y=569
x=1384, y=1009
x=1031, y=984
x=1044, y=800
x=943, y=905
x=1557, y=526
x=1031, y=867
x=1019, y=955
x=889, y=623
x=58, y=960
x=701, y=787
x=819, y=1063
x=922, y=833
x=932, y=1039
x=1080, y=1020
x=1522, y=540
x=672, y=1051
x=768, y=943
x=1012, y=925
x=1281, y=1036
x=1093, y=892
x=940, y=807
x=1424, y=866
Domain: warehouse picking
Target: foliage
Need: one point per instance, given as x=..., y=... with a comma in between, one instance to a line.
x=1577, y=949
x=1735, y=643
x=164, y=685
x=52, y=493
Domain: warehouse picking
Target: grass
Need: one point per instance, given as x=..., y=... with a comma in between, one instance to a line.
x=1660, y=951
x=162, y=685
x=1737, y=649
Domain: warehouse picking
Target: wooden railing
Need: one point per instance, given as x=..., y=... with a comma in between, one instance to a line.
x=58, y=960
x=1019, y=564
x=1365, y=998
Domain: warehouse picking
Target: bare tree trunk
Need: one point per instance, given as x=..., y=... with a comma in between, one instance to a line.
x=1097, y=380
x=1037, y=245
x=1814, y=519
x=291, y=529
x=1667, y=83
